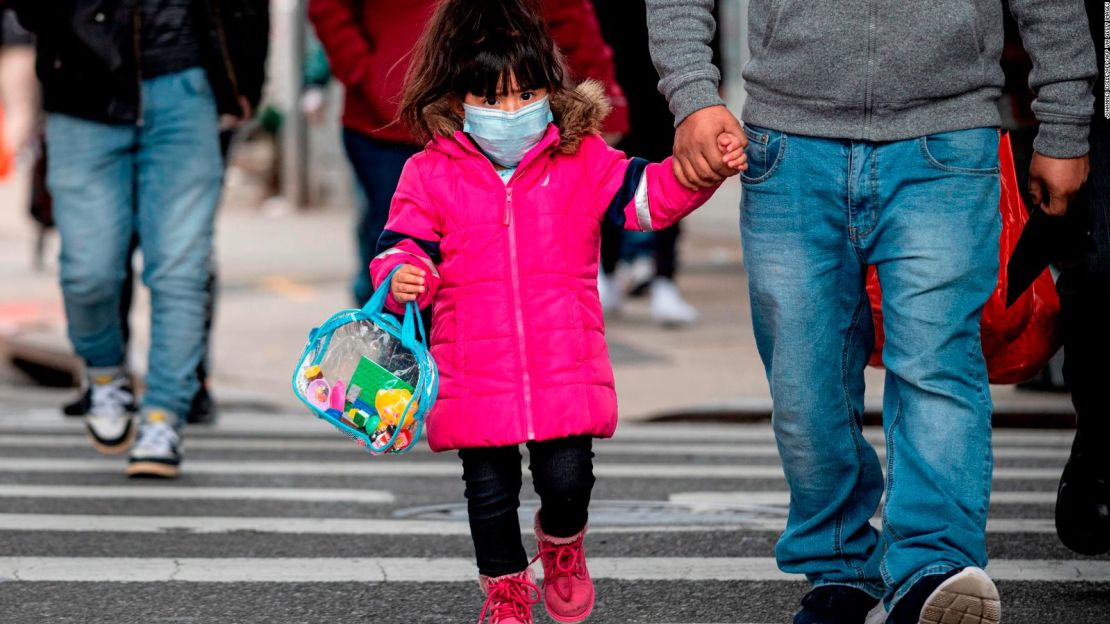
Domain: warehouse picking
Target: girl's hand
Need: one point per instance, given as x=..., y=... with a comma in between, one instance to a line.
x=407, y=284
x=733, y=152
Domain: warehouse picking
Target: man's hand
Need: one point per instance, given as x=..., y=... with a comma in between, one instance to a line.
x=246, y=113
x=407, y=284
x=1053, y=181
x=698, y=162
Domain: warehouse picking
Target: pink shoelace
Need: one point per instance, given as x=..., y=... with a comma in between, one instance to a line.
x=565, y=560
x=510, y=597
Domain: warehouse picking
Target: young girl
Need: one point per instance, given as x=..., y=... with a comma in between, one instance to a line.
x=496, y=226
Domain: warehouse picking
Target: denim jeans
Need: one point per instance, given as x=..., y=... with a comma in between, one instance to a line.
x=815, y=213
x=161, y=179
x=563, y=475
x=377, y=166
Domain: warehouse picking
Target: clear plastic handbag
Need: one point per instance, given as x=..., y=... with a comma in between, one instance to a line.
x=370, y=375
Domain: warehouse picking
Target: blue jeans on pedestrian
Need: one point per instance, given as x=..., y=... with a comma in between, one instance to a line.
x=377, y=167
x=815, y=213
x=162, y=179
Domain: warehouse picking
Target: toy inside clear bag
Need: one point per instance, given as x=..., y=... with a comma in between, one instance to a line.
x=370, y=376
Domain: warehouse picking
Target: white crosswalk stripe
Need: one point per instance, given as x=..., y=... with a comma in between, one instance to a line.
x=705, y=501
x=195, y=493
x=736, y=449
x=378, y=526
x=397, y=570
x=299, y=426
x=447, y=469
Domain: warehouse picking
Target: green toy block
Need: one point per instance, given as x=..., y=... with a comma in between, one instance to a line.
x=359, y=417
x=371, y=377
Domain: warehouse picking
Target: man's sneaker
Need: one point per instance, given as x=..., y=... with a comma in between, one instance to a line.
x=835, y=604
x=80, y=405
x=966, y=596
x=157, y=451
x=111, y=407
x=202, y=411
x=568, y=591
x=610, y=293
x=636, y=276
x=509, y=598
x=667, y=305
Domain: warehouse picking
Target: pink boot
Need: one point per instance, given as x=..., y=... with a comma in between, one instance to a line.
x=568, y=592
x=509, y=598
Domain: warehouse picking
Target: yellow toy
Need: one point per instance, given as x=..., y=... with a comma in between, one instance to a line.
x=312, y=373
x=391, y=406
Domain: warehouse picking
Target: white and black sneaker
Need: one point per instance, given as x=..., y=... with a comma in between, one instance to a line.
x=609, y=291
x=111, y=410
x=157, y=451
x=962, y=596
x=667, y=305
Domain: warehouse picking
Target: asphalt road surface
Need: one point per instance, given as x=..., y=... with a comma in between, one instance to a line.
x=279, y=519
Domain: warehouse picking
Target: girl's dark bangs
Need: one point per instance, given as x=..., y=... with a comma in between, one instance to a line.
x=487, y=73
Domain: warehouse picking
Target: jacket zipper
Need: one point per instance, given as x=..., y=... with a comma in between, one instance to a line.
x=526, y=381
x=137, y=42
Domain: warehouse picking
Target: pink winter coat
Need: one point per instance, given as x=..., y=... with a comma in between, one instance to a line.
x=517, y=332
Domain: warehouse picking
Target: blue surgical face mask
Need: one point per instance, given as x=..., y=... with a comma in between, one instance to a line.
x=506, y=137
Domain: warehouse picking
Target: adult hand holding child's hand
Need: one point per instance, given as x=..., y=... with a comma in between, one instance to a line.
x=407, y=284
x=732, y=151
x=698, y=161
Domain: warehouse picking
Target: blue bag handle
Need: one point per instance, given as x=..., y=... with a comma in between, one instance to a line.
x=427, y=386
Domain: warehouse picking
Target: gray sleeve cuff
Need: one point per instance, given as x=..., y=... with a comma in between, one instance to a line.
x=698, y=92
x=1062, y=140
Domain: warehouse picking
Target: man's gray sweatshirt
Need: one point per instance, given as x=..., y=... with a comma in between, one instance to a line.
x=883, y=70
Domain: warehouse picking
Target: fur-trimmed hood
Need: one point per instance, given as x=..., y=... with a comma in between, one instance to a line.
x=577, y=113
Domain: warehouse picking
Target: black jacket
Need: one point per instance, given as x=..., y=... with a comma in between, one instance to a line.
x=87, y=54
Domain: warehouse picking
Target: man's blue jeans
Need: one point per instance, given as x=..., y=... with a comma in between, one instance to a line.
x=816, y=212
x=162, y=179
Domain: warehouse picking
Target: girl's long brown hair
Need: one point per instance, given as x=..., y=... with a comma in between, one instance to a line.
x=478, y=46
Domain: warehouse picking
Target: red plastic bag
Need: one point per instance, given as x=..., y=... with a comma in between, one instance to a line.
x=1017, y=341
x=6, y=158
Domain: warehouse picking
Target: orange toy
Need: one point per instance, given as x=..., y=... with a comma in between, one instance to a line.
x=391, y=405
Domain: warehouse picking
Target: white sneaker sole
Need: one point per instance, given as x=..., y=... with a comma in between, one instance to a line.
x=114, y=449
x=152, y=469
x=970, y=597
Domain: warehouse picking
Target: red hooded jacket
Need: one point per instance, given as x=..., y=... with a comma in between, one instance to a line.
x=369, y=44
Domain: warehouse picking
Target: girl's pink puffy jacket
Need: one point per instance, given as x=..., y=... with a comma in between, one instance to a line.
x=517, y=330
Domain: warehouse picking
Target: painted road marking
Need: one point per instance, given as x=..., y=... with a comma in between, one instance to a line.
x=361, y=466
x=78, y=523
x=147, y=492
x=607, y=448
x=276, y=425
x=412, y=570
x=697, y=501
